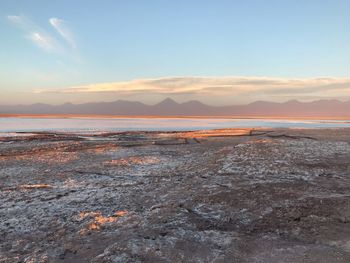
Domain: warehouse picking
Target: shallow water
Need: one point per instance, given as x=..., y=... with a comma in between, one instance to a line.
x=9, y=125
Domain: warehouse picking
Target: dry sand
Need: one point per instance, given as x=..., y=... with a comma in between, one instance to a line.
x=214, y=196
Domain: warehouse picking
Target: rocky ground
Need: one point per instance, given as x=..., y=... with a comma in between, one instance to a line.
x=218, y=196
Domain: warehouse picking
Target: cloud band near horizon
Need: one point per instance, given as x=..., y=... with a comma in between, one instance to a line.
x=243, y=89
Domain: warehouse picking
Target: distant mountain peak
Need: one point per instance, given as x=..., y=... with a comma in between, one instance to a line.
x=194, y=102
x=168, y=101
x=261, y=102
x=169, y=107
x=292, y=102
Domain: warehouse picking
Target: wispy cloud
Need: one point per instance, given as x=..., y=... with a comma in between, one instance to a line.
x=63, y=30
x=43, y=41
x=35, y=33
x=15, y=19
x=41, y=38
x=224, y=88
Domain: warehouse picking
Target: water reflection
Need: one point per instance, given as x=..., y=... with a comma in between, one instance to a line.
x=8, y=125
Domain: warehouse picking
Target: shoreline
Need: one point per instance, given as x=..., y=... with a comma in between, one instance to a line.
x=92, y=116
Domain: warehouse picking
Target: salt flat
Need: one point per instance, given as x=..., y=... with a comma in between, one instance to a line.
x=230, y=195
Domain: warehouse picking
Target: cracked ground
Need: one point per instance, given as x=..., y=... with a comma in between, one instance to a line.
x=243, y=195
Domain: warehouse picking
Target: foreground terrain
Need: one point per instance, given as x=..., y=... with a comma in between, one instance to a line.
x=218, y=196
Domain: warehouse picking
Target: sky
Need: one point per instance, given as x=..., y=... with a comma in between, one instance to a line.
x=219, y=52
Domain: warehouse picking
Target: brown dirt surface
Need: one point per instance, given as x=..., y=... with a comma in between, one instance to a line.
x=234, y=195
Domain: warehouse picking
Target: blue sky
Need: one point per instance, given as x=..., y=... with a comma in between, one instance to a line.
x=55, y=51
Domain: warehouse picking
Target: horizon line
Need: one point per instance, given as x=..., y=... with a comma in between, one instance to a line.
x=179, y=103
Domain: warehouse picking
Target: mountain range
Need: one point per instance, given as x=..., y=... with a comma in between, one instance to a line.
x=169, y=107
